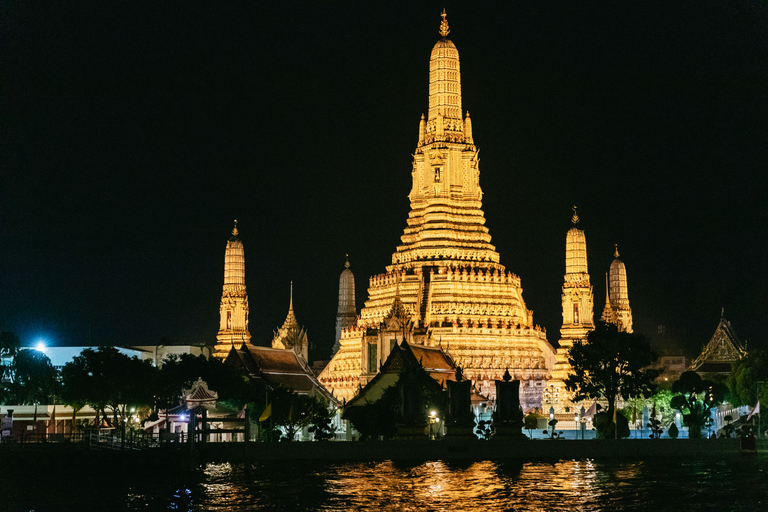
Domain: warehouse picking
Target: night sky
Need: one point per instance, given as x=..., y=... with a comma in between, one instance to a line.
x=133, y=135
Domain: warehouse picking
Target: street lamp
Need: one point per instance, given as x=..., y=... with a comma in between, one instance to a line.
x=432, y=420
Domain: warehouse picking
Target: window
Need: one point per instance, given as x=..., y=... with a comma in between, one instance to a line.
x=438, y=175
x=373, y=367
x=575, y=313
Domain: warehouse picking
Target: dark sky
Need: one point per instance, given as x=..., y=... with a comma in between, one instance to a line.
x=132, y=136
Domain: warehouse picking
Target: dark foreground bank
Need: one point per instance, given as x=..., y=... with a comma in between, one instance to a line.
x=57, y=458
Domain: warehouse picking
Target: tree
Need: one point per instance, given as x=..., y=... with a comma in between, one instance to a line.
x=530, y=422
x=229, y=381
x=9, y=345
x=321, y=425
x=33, y=379
x=609, y=364
x=106, y=378
x=290, y=411
x=695, y=399
x=748, y=380
x=75, y=385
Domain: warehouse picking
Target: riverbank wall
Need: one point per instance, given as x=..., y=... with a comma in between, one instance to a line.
x=64, y=458
x=522, y=449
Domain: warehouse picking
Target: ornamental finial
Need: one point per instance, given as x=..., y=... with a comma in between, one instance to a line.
x=346, y=265
x=575, y=219
x=616, y=250
x=444, y=31
x=234, y=230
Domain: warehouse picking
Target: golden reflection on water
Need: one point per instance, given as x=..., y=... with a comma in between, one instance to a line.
x=567, y=485
x=466, y=486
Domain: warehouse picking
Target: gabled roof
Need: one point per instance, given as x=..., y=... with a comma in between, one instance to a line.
x=433, y=360
x=278, y=367
x=199, y=392
x=723, y=349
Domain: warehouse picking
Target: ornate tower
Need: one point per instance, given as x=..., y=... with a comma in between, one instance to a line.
x=578, y=308
x=291, y=335
x=617, y=310
x=445, y=286
x=233, y=311
x=346, y=314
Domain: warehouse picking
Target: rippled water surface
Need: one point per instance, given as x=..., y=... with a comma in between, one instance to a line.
x=736, y=484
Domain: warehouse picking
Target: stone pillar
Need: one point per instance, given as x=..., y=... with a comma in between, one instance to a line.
x=508, y=418
x=460, y=420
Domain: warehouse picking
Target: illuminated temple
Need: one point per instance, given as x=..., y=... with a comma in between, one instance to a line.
x=233, y=309
x=578, y=311
x=445, y=287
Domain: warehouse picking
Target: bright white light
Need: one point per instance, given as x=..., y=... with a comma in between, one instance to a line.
x=40, y=346
x=433, y=413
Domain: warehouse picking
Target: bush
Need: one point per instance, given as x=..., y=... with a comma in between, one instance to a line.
x=605, y=428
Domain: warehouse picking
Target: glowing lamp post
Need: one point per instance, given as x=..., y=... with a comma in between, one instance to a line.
x=433, y=420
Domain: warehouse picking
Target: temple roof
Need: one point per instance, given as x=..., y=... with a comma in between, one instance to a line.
x=278, y=367
x=723, y=349
x=433, y=360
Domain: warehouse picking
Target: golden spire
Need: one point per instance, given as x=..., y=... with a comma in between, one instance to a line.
x=575, y=219
x=616, y=251
x=234, y=230
x=290, y=305
x=444, y=31
x=346, y=265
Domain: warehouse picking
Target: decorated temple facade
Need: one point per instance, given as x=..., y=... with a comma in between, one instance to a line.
x=446, y=287
x=233, y=310
x=578, y=312
x=616, y=310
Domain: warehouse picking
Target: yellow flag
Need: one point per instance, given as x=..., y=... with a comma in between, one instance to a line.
x=266, y=414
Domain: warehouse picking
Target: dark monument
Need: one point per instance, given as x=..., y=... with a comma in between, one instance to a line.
x=460, y=420
x=508, y=418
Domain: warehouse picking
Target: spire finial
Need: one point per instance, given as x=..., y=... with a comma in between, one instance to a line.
x=444, y=30
x=616, y=251
x=575, y=218
x=607, y=292
x=346, y=265
x=234, y=230
x=290, y=306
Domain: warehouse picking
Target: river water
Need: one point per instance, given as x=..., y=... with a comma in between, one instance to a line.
x=739, y=483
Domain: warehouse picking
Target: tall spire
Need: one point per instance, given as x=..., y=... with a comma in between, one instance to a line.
x=233, y=310
x=291, y=335
x=621, y=313
x=575, y=218
x=444, y=30
x=346, y=314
